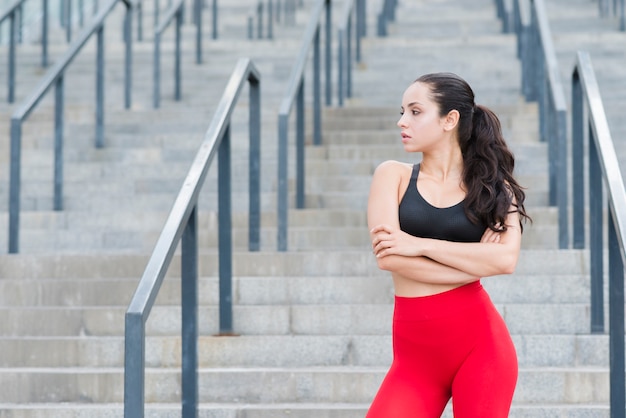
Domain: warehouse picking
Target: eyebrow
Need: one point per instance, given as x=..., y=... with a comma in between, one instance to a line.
x=411, y=104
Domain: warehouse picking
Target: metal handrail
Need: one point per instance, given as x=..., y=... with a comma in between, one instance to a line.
x=541, y=82
x=182, y=226
x=11, y=14
x=55, y=77
x=603, y=170
x=176, y=11
x=352, y=8
x=295, y=93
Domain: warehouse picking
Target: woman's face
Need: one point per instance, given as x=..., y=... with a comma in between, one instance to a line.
x=420, y=123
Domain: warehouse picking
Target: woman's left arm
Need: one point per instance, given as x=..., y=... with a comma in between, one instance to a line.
x=497, y=252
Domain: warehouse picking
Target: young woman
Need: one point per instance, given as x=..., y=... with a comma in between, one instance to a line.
x=439, y=226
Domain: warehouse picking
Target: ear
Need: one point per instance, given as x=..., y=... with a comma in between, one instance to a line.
x=451, y=120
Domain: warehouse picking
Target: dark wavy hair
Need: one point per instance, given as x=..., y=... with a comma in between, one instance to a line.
x=488, y=163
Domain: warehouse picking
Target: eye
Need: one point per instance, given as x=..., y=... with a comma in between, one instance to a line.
x=401, y=112
x=415, y=112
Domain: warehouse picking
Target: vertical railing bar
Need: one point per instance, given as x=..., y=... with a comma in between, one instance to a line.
x=68, y=26
x=198, y=12
x=328, y=60
x=44, y=34
x=134, y=365
x=189, y=311
x=15, y=184
x=20, y=23
x=177, y=57
x=562, y=177
x=81, y=13
x=128, y=26
x=317, y=91
x=349, y=56
x=616, y=323
x=139, y=20
x=578, y=189
x=100, y=88
x=340, y=66
x=270, y=19
x=254, y=221
x=214, y=18
x=300, y=160
x=156, y=72
x=362, y=24
x=225, y=234
x=11, y=94
x=157, y=18
x=259, y=16
x=58, y=143
x=62, y=13
x=283, y=185
x=595, y=238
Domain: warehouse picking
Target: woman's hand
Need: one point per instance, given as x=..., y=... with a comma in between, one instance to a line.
x=490, y=236
x=387, y=240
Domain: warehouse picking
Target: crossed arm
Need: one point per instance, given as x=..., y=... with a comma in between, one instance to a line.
x=431, y=260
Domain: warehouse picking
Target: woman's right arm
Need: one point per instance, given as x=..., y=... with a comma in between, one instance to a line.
x=386, y=191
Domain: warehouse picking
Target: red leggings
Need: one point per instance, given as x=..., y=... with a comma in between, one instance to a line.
x=453, y=344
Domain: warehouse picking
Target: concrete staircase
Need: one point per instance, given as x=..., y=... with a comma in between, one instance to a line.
x=314, y=322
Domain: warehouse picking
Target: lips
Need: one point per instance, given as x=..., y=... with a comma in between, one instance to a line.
x=405, y=137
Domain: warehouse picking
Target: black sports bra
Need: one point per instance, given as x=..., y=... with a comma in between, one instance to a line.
x=421, y=219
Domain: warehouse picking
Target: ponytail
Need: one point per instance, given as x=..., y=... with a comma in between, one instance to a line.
x=488, y=173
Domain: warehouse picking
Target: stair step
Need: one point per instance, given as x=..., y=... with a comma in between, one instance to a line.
x=315, y=384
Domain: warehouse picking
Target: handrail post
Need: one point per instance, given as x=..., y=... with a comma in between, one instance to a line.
x=340, y=66
x=362, y=22
x=156, y=95
x=128, y=31
x=259, y=20
x=283, y=185
x=139, y=20
x=225, y=235
x=14, y=185
x=560, y=138
x=100, y=88
x=44, y=34
x=11, y=92
x=329, y=55
x=177, y=60
x=595, y=238
x=578, y=190
x=270, y=19
x=349, y=56
x=214, y=18
x=58, y=143
x=134, y=365
x=300, y=148
x=616, y=323
x=317, y=93
x=189, y=311
x=254, y=221
x=68, y=21
x=198, y=13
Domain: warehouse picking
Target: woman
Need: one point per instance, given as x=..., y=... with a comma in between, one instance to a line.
x=438, y=227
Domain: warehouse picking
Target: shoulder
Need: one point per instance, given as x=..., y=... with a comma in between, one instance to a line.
x=390, y=177
x=392, y=168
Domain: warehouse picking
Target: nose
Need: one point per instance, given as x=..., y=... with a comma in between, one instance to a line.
x=401, y=123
